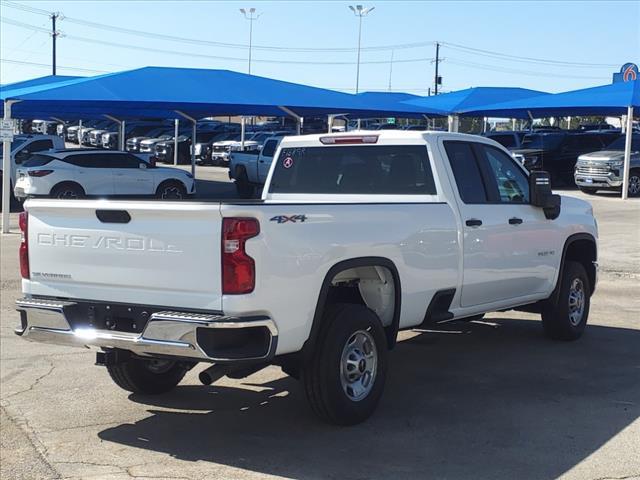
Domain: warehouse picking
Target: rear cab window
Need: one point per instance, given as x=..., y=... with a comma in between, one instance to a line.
x=361, y=169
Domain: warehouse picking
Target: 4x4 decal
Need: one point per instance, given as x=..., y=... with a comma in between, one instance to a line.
x=289, y=218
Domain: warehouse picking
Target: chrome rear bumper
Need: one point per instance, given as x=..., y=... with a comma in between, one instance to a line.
x=167, y=333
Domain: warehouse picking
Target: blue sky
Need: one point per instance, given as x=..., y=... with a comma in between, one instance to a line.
x=602, y=34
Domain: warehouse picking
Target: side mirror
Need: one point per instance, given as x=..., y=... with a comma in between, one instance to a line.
x=142, y=165
x=542, y=196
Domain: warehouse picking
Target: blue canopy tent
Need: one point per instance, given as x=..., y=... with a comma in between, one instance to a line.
x=192, y=94
x=618, y=98
x=460, y=102
x=34, y=82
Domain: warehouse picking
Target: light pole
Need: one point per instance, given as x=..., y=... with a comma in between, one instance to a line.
x=251, y=15
x=359, y=11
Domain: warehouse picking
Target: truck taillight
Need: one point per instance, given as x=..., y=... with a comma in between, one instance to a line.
x=23, y=221
x=238, y=268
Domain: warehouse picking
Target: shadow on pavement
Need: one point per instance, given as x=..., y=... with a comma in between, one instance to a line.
x=483, y=400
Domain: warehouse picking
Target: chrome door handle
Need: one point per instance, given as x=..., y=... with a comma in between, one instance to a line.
x=515, y=221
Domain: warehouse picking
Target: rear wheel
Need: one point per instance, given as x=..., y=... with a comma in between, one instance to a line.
x=566, y=317
x=243, y=187
x=588, y=190
x=344, y=378
x=147, y=376
x=172, y=190
x=67, y=191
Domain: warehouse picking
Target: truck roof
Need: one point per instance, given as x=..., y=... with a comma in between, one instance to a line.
x=382, y=136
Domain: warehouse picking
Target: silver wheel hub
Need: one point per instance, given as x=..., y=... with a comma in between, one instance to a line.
x=358, y=365
x=576, y=302
x=634, y=185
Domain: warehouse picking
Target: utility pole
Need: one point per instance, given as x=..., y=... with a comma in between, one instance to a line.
x=437, y=78
x=54, y=35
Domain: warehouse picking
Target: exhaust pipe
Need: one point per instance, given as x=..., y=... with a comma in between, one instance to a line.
x=213, y=373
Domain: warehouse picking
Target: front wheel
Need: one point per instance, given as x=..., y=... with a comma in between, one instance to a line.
x=566, y=317
x=147, y=376
x=344, y=378
x=634, y=183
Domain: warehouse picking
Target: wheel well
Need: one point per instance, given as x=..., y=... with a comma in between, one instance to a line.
x=370, y=281
x=66, y=182
x=583, y=250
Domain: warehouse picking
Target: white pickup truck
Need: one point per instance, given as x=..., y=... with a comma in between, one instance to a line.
x=356, y=237
x=249, y=170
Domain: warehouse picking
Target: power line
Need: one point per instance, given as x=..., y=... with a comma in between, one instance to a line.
x=517, y=58
x=46, y=65
x=199, y=55
x=495, y=68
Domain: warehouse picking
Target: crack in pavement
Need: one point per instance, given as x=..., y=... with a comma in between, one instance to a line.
x=33, y=385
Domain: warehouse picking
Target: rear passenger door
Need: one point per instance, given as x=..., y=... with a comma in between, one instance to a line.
x=509, y=248
x=129, y=178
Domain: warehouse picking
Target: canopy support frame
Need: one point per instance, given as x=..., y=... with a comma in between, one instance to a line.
x=627, y=153
x=299, y=119
x=6, y=170
x=121, y=124
x=194, y=122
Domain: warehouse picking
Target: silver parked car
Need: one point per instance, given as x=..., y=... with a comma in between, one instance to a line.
x=603, y=170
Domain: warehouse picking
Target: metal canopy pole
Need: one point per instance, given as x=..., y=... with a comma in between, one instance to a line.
x=120, y=125
x=176, y=126
x=298, y=118
x=531, y=119
x=122, y=139
x=193, y=141
x=6, y=170
x=453, y=123
x=627, y=153
x=243, y=127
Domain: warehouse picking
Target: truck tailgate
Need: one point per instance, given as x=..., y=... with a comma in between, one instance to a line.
x=167, y=254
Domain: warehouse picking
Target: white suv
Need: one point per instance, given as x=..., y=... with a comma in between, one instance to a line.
x=77, y=173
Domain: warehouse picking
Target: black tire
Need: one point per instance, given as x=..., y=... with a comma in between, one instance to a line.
x=147, y=376
x=325, y=383
x=566, y=318
x=171, y=190
x=67, y=191
x=634, y=183
x=243, y=187
x=588, y=190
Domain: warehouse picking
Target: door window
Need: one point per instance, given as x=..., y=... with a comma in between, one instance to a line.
x=123, y=160
x=510, y=184
x=466, y=171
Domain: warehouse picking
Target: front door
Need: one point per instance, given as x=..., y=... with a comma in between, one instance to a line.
x=510, y=250
x=128, y=177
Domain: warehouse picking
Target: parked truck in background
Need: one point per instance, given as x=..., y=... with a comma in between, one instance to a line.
x=249, y=169
x=356, y=237
x=603, y=170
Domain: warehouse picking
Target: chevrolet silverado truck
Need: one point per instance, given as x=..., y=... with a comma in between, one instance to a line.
x=356, y=236
x=604, y=170
x=249, y=169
